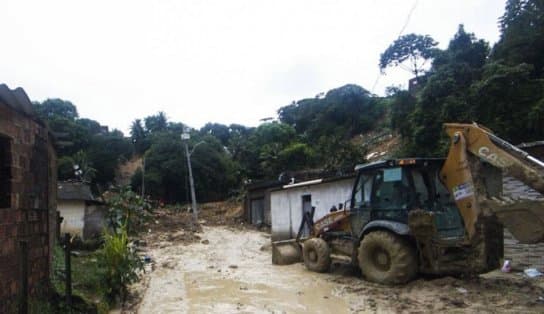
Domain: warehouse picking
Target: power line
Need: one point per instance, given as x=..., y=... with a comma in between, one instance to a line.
x=408, y=18
x=406, y=22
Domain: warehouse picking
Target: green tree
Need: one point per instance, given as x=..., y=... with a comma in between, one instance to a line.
x=344, y=112
x=91, y=126
x=336, y=154
x=219, y=131
x=509, y=101
x=56, y=107
x=297, y=156
x=139, y=137
x=156, y=123
x=82, y=168
x=410, y=52
x=445, y=96
x=522, y=35
x=402, y=105
x=106, y=152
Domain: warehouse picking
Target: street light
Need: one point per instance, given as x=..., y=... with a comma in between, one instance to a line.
x=185, y=136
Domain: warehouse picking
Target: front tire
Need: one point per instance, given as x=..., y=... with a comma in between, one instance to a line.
x=386, y=258
x=317, y=255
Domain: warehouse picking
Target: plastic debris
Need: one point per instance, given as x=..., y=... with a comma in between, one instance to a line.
x=506, y=266
x=147, y=259
x=462, y=290
x=532, y=272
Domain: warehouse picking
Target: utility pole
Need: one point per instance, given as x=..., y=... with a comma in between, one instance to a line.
x=185, y=136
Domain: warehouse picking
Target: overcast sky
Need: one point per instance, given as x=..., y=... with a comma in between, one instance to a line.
x=226, y=61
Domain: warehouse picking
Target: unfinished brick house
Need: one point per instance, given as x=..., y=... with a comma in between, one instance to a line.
x=27, y=200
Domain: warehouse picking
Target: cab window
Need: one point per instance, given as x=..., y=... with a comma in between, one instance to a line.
x=423, y=189
x=391, y=189
x=363, y=191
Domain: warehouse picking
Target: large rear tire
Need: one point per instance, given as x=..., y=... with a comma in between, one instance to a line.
x=386, y=258
x=317, y=255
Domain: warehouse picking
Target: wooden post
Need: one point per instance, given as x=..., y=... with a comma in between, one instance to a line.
x=68, y=269
x=57, y=229
x=23, y=309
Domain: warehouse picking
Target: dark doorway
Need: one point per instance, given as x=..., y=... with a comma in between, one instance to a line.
x=5, y=172
x=257, y=211
x=306, y=208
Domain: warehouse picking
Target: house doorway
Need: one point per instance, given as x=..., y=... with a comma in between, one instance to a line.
x=306, y=208
x=257, y=211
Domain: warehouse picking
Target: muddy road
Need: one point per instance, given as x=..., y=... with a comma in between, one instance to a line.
x=230, y=271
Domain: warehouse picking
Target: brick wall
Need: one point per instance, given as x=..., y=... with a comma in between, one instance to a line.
x=29, y=216
x=522, y=255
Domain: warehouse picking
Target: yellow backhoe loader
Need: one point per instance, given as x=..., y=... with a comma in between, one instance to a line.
x=427, y=215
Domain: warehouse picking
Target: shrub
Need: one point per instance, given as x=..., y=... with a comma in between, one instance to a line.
x=128, y=210
x=120, y=264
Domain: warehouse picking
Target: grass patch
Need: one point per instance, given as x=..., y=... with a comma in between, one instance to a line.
x=87, y=290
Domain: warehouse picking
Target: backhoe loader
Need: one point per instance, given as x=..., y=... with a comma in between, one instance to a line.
x=428, y=215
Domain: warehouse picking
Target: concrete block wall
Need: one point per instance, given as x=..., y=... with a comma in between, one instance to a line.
x=30, y=216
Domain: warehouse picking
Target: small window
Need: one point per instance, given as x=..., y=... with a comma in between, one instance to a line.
x=423, y=190
x=363, y=191
x=5, y=172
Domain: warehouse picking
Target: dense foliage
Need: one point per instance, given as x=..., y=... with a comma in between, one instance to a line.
x=501, y=88
x=83, y=144
x=127, y=211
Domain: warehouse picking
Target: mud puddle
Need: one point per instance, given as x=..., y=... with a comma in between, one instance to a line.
x=231, y=274
x=232, y=296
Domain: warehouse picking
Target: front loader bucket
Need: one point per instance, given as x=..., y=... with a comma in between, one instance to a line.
x=286, y=252
x=523, y=218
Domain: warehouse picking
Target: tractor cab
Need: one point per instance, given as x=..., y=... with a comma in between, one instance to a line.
x=386, y=191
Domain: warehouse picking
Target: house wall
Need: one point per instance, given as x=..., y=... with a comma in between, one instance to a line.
x=286, y=205
x=73, y=213
x=29, y=214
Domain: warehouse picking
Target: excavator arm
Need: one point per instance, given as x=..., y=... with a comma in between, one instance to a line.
x=471, y=143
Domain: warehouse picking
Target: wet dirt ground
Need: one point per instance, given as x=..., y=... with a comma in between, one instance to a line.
x=230, y=271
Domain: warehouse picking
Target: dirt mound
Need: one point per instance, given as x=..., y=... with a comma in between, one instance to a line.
x=175, y=224
x=490, y=293
x=169, y=226
x=222, y=213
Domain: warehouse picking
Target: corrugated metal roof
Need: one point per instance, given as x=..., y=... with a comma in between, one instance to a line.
x=315, y=182
x=397, y=162
x=74, y=191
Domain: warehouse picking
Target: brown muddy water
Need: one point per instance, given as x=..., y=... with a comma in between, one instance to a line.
x=233, y=273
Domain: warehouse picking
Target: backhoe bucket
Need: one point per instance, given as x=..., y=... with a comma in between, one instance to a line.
x=523, y=218
x=286, y=252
